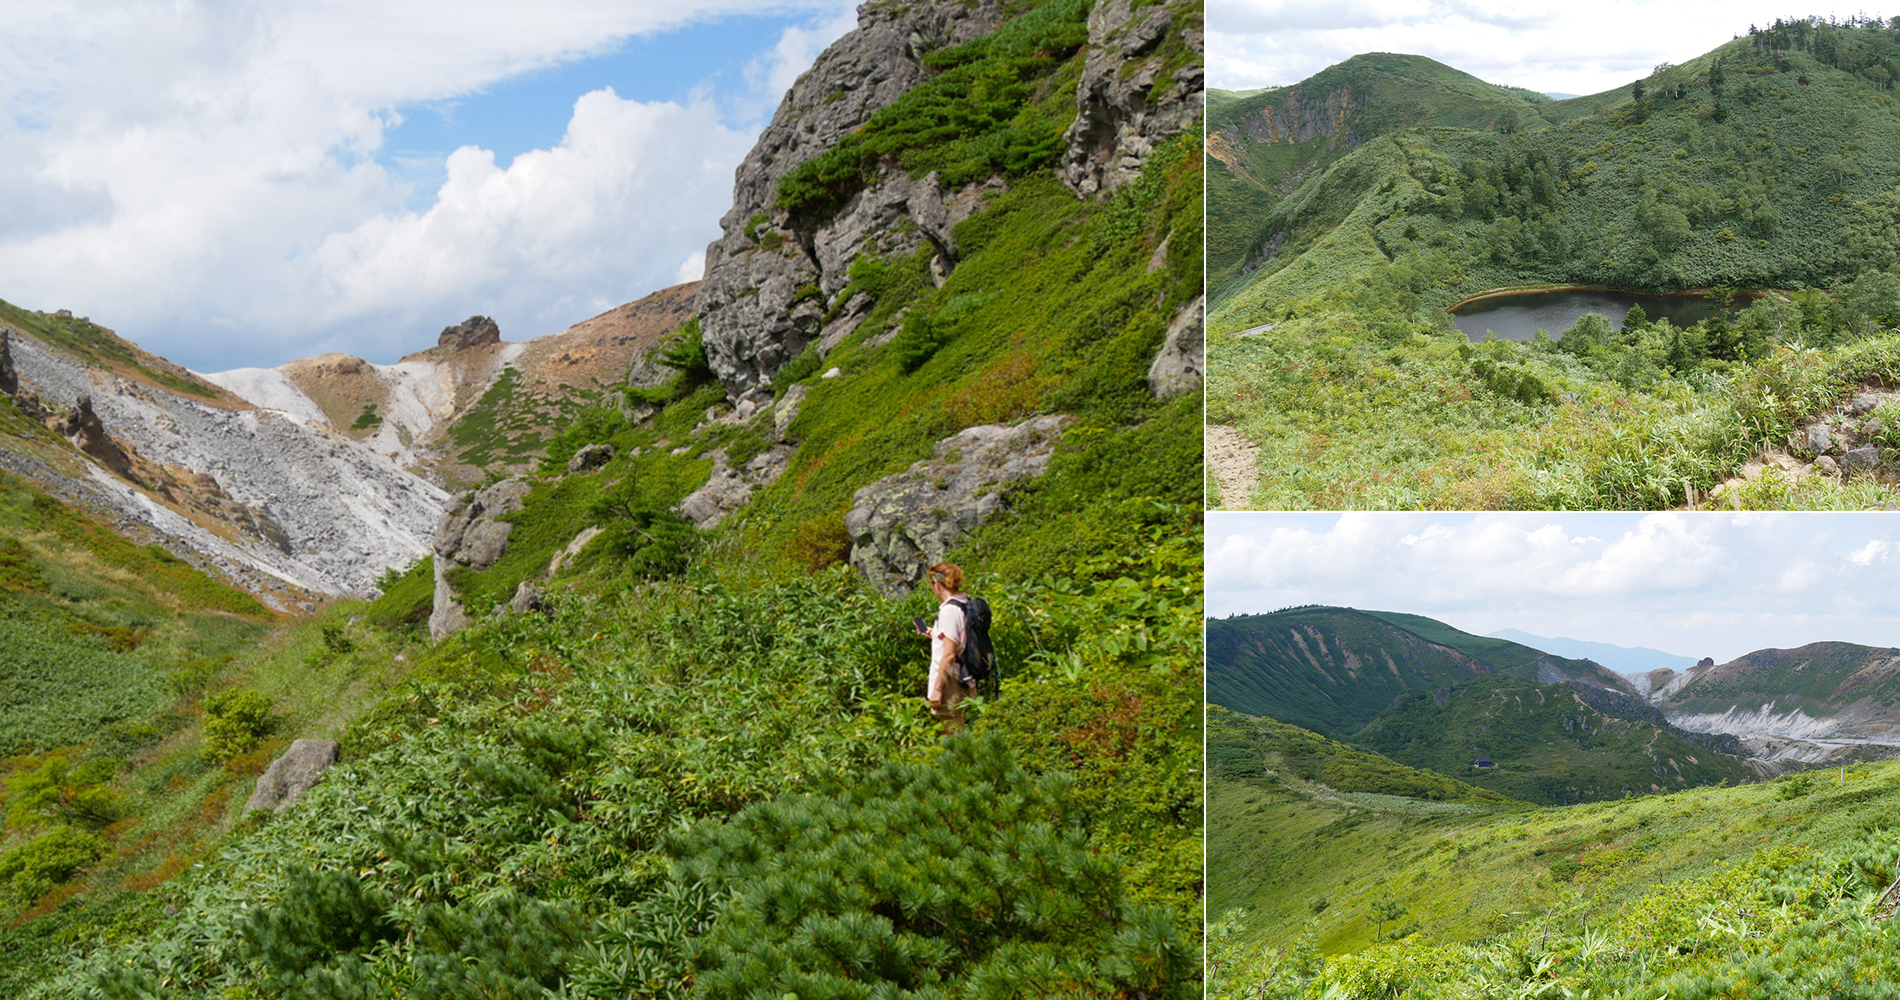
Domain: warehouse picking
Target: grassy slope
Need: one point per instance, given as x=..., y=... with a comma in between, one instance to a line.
x=1349, y=667
x=638, y=706
x=1760, y=889
x=1547, y=743
x=112, y=649
x=1241, y=746
x=98, y=345
x=1358, y=400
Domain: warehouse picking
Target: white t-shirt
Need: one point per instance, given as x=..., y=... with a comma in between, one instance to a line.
x=949, y=626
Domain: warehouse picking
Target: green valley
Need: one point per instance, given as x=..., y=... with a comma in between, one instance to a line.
x=1773, y=889
x=1348, y=213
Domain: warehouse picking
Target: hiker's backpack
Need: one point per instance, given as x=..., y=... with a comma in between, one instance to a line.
x=976, y=662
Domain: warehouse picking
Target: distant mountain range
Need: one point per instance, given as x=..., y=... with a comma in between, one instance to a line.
x=1537, y=725
x=1622, y=659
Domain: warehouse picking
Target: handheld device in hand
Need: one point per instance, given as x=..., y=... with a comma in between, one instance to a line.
x=920, y=626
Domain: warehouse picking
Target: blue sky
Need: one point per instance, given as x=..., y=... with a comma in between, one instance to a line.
x=235, y=185
x=530, y=111
x=1695, y=584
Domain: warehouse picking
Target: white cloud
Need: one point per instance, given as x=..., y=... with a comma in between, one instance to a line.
x=568, y=228
x=202, y=175
x=1699, y=584
x=773, y=73
x=1546, y=45
x=1868, y=553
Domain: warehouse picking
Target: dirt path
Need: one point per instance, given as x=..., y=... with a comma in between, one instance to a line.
x=1235, y=462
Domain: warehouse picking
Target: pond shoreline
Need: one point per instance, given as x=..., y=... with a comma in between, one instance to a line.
x=1494, y=293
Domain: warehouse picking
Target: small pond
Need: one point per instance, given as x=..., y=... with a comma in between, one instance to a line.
x=1519, y=315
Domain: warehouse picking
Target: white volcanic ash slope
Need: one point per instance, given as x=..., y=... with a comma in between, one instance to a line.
x=317, y=513
x=408, y=411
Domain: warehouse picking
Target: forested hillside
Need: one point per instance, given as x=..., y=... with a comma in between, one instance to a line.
x=673, y=742
x=1763, y=172
x=1332, y=670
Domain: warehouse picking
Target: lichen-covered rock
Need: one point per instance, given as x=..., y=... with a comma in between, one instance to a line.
x=903, y=523
x=293, y=774
x=475, y=331
x=529, y=597
x=765, y=290
x=727, y=489
x=786, y=410
x=1138, y=90
x=590, y=458
x=470, y=534
x=1178, y=366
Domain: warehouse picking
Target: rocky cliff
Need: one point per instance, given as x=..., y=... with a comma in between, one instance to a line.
x=773, y=283
x=767, y=286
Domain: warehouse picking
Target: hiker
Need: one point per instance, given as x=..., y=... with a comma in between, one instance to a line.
x=946, y=690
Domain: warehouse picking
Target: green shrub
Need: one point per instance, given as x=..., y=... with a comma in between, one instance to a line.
x=234, y=722
x=319, y=917
x=28, y=871
x=965, y=872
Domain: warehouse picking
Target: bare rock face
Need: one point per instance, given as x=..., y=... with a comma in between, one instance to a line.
x=1178, y=366
x=476, y=331
x=766, y=285
x=1127, y=102
x=470, y=534
x=901, y=524
x=9, y=379
x=293, y=774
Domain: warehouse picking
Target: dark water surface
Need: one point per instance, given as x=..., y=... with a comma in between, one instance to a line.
x=1519, y=315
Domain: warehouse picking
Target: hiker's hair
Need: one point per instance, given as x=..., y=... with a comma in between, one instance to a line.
x=948, y=574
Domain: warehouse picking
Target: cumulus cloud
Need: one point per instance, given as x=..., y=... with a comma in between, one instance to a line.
x=204, y=176
x=1699, y=584
x=558, y=230
x=1545, y=45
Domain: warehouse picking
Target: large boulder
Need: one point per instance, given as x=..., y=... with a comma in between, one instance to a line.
x=1129, y=101
x=470, y=534
x=1178, y=366
x=901, y=524
x=293, y=774
x=767, y=285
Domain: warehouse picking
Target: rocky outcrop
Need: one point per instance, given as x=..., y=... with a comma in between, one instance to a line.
x=83, y=428
x=903, y=523
x=293, y=774
x=786, y=410
x=1178, y=366
x=590, y=458
x=9, y=379
x=475, y=331
x=470, y=535
x=727, y=489
x=766, y=285
x=1138, y=90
